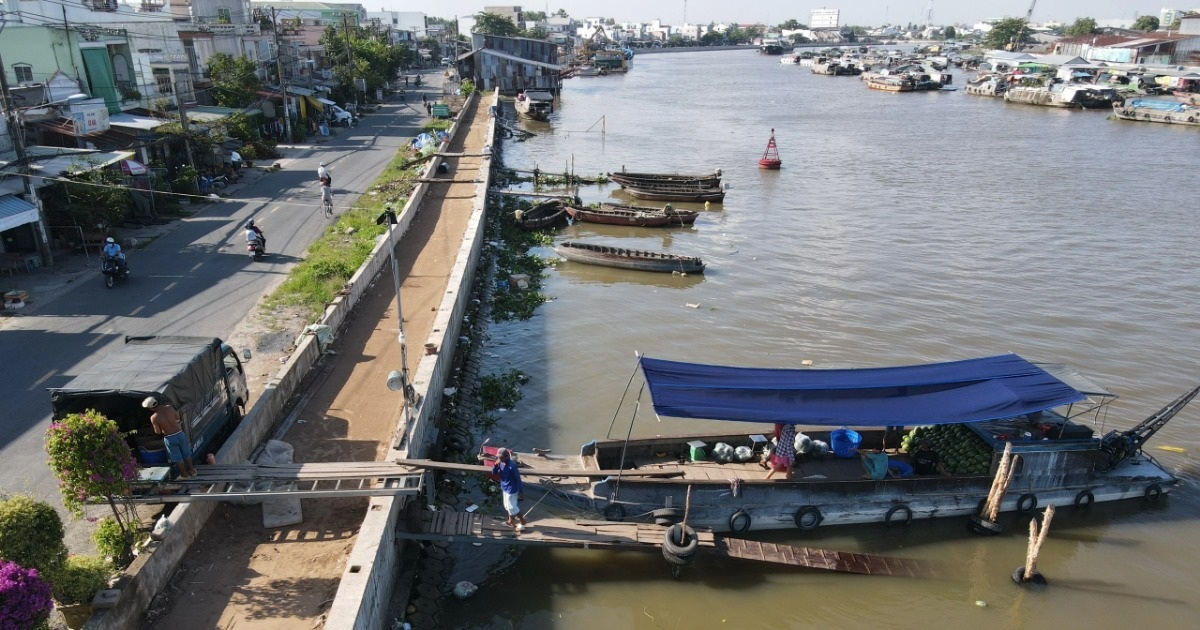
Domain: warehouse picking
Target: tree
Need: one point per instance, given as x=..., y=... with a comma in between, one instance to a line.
x=712, y=38
x=31, y=535
x=791, y=25
x=91, y=459
x=1006, y=31
x=949, y=32
x=1146, y=23
x=235, y=83
x=493, y=24
x=561, y=13
x=535, y=16
x=375, y=62
x=536, y=32
x=1082, y=26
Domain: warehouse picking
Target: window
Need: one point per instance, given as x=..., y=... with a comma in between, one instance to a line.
x=223, y=16
x=162, y=77
x=24, y=72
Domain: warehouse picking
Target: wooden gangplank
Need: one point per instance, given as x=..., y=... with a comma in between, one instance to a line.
x=840, y=561
x=533, y=471
x=451, y=526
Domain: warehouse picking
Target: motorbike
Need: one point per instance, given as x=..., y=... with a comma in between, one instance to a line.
x=113, y=269
x=257, y=249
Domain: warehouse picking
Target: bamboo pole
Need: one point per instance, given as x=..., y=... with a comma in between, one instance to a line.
x=1036, y=538
x=687, y=508
x=1000, y=483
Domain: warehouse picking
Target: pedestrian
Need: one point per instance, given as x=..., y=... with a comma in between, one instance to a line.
x=166, y=423
x=423, y=100
x=510, y=487
x=429, y=109
x=406, y=80
x=785, y=451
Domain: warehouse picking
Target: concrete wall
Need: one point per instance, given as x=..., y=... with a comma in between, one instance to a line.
x=366, y=587
x=371, y=568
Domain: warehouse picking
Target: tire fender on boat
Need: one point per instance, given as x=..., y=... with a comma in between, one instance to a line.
x=906, y=515
x=1167, y=118
x=740, y=521
x=808, y=517
x=1153, y=492
x=667, y=517
x=1027, y=503
x=680, y=541
x=1084, y=498
x=1191, y=119
x=614, y=512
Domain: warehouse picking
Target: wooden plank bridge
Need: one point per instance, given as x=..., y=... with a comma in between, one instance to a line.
x=451, y=526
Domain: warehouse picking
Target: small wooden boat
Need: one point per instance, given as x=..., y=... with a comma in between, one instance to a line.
x=675, y=192
x=543, y=215
x=623, y=178
x=628, y=258
x=635, y=216
x=535, y=104
x=678, y=217
x=1170, y=112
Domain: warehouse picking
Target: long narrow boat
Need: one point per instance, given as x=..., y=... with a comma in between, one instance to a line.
x=675, y=192
x=1158, y=110
x=623, y=178
x=635, y=216
x=543, y=215
x=975, y=408
x=628, y=258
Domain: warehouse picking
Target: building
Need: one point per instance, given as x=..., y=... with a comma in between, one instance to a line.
x=511, y=12
x=512, y=64
x=824, y=19
x=402, y=27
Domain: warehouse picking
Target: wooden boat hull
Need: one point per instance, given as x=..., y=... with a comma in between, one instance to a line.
x=1189, y=118
x=676, y=193
x=622, y=258
x=633, y=216
x=830, y=491
x=543, y=215
x=890, y=86
x=636, y=179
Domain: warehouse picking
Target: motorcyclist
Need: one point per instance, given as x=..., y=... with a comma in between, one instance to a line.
x=254, y=234
x=113, y=250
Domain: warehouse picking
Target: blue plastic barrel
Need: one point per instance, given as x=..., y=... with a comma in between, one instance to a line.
x=844, y=442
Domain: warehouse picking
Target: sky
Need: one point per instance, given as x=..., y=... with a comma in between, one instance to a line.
x=853, y=12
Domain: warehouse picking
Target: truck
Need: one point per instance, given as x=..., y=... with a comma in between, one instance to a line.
x=202, y=377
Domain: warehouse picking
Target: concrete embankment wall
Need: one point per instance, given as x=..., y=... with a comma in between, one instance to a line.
x=366, y=585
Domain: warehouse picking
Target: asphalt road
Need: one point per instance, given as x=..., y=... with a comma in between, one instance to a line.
x=194, y=280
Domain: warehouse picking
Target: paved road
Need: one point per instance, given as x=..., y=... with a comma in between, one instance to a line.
x=194, y=280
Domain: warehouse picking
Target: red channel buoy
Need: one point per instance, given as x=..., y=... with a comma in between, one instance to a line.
x=770, y=158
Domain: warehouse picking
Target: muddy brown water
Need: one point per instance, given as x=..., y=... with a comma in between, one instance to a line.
x=902, y=228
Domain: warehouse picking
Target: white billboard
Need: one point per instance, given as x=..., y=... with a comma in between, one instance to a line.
x=824, y=18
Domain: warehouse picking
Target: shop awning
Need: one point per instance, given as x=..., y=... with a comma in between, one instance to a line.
x=15, y=212
x=325, y=101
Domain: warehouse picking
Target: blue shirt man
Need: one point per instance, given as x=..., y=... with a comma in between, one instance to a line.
x=510, y=486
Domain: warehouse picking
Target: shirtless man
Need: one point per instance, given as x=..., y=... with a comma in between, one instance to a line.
x=166, y=423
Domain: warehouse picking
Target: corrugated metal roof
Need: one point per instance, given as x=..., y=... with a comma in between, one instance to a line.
x=504, y=55
x=15, y=211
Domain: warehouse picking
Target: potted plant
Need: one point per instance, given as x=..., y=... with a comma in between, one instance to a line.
x=24, y=597
x=76, y=585
x=31, y=535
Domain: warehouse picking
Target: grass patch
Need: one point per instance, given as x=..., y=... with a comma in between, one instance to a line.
x=438, y=124
x=514, y=257
x=341, y=250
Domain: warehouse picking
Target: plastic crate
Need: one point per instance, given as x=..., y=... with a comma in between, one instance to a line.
x=844, y=442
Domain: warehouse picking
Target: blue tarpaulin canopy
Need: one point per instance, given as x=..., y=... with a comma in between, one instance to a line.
x=974, y=390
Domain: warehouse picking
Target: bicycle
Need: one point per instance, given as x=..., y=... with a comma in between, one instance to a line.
x=327, y=200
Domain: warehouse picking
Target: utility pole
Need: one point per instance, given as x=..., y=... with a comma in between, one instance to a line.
x=183, y=121
x=349, y=53
x=287, y=116
x=15, y=129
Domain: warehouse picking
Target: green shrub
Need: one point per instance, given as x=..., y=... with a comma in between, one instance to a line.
x=31, y=535
x=78, y=582
x=113, y=542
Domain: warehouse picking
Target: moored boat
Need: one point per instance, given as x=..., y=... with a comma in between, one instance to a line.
x=675, y=192
x=543, y=215
x=623, y=258
x=889, y=83
x=975, y=408
x=535, y=104
x=708, y=181
x=1170, y=112
x=635, y=216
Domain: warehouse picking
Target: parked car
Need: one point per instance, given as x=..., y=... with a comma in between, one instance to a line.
x=340, y=116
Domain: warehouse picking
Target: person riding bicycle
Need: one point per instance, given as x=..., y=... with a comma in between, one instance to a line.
x=323, y=175
x=326, y=196
x=254, y=234
x=113, y=250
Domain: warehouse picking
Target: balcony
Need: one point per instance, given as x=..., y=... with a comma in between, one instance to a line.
x=109, y=6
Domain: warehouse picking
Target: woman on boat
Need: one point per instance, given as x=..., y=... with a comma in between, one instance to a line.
x=785, y=451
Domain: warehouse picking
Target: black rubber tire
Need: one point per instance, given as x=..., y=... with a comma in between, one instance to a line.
x=109, y=281
x=680, y=541
x=1191, y=119
x=614, y=512
x=1085, y=498
x=1153, y=492
x=1027, y=503
x=1167, y=118
x=666, y=517
x=808, y=517
x=674, y=559
x=740, y=521
x=899, y=507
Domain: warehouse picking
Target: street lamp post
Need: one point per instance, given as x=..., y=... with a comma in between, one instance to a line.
x=15, y=131
x=398, y=379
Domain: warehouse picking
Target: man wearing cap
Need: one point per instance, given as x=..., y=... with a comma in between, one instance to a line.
x=510, y=487
x=166, y=423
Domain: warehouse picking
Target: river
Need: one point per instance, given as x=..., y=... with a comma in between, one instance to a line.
x=903, y=228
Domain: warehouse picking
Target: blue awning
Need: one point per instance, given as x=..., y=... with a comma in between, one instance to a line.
x=15, y=211
x=973, y=390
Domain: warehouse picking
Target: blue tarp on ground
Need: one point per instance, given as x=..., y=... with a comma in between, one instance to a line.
x=973, y=390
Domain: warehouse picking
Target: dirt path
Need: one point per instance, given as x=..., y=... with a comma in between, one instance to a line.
x=241, y=575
